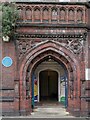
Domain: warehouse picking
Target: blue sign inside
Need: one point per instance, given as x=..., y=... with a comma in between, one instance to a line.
x=7, y=61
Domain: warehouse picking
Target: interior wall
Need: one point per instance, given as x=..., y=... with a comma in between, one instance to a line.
x=53, y=83
x=43, y=84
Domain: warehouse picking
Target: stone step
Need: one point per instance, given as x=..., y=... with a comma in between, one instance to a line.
x=46, y=111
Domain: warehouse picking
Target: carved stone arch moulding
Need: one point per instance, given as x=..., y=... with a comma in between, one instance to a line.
x=59, y=59
x=59, y=53
x=60, y=49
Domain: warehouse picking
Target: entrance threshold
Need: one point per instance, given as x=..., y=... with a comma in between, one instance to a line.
x=49, y=104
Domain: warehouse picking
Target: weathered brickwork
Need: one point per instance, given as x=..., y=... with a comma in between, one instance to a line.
x=46, y=29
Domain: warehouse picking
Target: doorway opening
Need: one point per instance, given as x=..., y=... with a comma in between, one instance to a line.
x=48, y=85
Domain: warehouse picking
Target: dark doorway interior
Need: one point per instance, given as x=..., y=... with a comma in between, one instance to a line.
x=48, y=85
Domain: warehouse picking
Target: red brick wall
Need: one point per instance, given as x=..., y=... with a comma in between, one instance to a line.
x=9, y=73
x=8, y=77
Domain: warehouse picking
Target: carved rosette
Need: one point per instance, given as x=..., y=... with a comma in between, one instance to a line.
x=23, y=46
x=75, y=45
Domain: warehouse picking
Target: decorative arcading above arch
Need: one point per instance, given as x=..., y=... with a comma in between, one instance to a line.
x=63, y=14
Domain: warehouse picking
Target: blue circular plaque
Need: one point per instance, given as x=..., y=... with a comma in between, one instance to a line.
x=7, y=61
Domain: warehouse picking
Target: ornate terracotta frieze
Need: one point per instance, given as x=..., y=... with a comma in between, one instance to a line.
x=72, y=42
x=52, y=13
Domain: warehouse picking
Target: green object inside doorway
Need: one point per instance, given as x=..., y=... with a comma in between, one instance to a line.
x=62, y=99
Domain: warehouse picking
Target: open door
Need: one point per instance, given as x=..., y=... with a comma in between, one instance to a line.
x=48, y=85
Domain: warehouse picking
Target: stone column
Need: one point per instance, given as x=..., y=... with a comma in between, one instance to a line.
x=67, y=14
x=32, y=14
x=50, y=15
x=41, y=14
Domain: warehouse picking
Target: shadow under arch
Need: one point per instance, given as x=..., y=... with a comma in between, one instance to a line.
x=39, y=54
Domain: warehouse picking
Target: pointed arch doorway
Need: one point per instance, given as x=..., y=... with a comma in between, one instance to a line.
x=40, y=54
